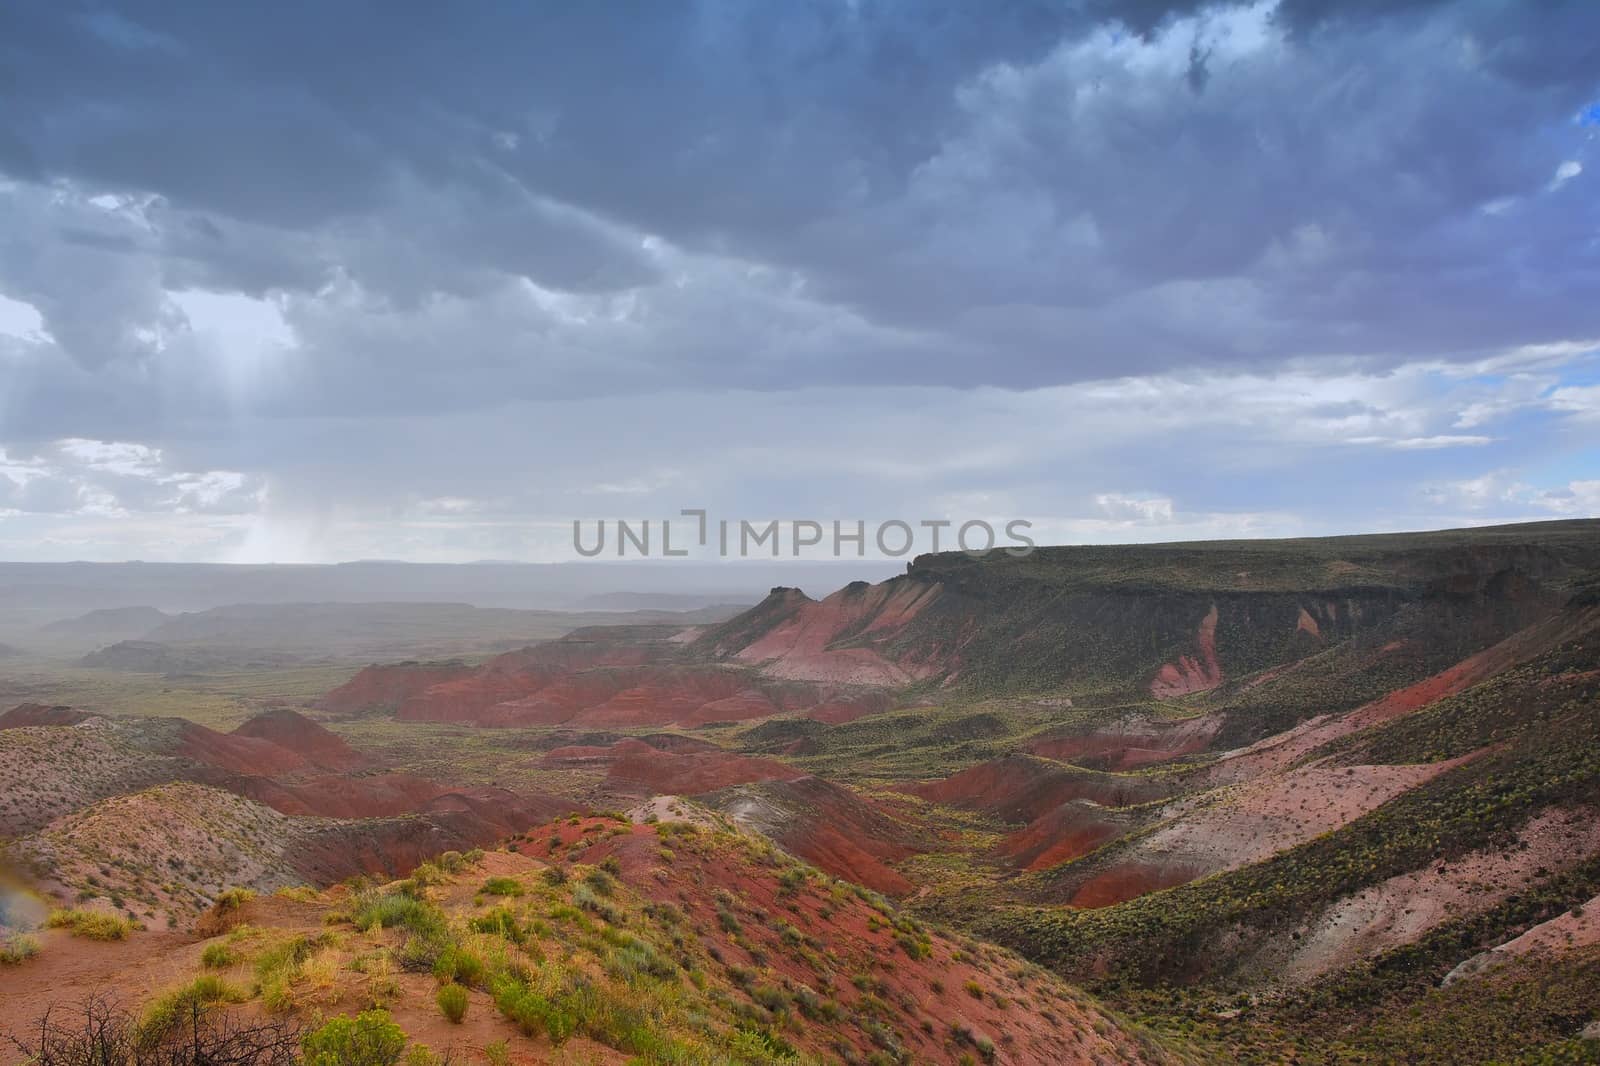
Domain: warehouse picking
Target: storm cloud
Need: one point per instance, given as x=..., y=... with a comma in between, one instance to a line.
x=362, y=278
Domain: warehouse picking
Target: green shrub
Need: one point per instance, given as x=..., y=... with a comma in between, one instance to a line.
x=452, y=1000
x=503, y=886
x=370, y=1039
x=531, y=1012
x=585, y=899
x=458, y=964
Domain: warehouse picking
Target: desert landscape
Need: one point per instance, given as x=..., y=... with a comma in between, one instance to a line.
x=815, y=533
x=1321, y=800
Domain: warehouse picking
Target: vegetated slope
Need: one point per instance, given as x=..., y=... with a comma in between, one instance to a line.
x=162, y=855
x=1169, y=619
x=1348, y=767
x=1401, y=840
x=665, y=943
x=72, y=795
x=824, y=823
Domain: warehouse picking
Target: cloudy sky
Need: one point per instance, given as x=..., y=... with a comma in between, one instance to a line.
x=330, y=281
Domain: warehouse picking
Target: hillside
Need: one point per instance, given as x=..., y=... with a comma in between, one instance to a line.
x=601, y=940
x=1170, y=619
x=1322, y=801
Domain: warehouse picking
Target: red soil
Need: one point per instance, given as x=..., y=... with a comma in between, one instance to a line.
x=838, y=831
x=338, y=796
x=301, y=735
x=386, y=687
x=1190, y=674
x=1130, y=880
x=1071, y=830
x=31, y=714
x=828, y=847
x=456, y=821
x=1021, y=789
x=242, y=755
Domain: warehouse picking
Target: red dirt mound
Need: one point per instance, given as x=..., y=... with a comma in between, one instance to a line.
x=1019, y=788
x=717, y=876
x=241, y=754
x=1130, y=880
x=301, y=735
x=386, y=687
x=31, y=714
x=845, y=834
x=1071, y=830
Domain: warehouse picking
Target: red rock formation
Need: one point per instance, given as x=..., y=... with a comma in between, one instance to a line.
x=1191, y=674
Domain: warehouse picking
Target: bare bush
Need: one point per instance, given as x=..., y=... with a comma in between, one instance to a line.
x=101, y=1033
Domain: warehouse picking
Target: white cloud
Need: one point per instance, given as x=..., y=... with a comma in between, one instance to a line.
x=1440, y=440
x=1148, y=510
x=1565, y=173
x=20, y=319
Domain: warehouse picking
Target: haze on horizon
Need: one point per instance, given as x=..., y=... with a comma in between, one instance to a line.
x=311, y=283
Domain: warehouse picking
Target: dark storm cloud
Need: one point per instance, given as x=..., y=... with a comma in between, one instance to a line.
x=931, y=167
x=420, y=231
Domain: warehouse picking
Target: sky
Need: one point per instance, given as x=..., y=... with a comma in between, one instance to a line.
x=311, y=282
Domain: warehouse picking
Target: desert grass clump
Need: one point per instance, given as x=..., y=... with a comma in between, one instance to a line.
x=452, y=1000
x=217, y=956
x=92, y=925
x=498, y=921
x=18, y=949
x=502, y=886
x=394, y=910
x=171, y=1009
x=234, y=898
x=278, y=969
